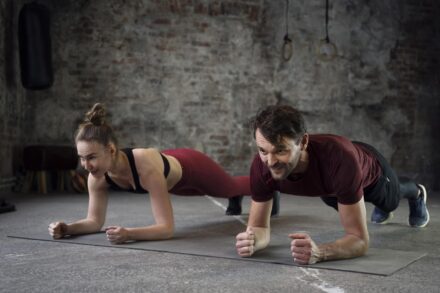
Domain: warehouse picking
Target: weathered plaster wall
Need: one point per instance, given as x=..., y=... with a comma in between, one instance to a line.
x=172, y=74
x=190, y=73
x=12, y=103
x=383, y=86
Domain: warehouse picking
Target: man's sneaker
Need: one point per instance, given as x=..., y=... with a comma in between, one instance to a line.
x=418, y=213
x=380, y=217
x=234, y=206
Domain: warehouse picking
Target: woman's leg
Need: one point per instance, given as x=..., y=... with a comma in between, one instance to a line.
x=203, y=176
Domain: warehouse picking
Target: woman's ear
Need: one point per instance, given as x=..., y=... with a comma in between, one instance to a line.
x=112, y=148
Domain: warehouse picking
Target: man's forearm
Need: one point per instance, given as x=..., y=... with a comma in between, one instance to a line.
x=350, y=246
x=262, y=237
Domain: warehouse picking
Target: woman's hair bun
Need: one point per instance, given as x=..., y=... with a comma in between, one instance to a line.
x=96, y=115
x=95, y=127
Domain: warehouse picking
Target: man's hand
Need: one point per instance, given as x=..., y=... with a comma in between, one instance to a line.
x=254, y=239
x=57, y=229
x=116, y=234
x=303, y=248
x=245, y=244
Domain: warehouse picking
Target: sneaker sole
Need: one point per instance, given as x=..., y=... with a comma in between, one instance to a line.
x=427, y=212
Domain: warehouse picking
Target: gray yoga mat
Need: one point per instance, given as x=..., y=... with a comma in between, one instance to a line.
x=211, y=234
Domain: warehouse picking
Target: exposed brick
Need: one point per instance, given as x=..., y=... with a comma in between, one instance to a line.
x=187, y=73
x=162, y=21
x=200, y=44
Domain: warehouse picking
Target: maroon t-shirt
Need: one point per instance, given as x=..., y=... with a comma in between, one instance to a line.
x=337, y=167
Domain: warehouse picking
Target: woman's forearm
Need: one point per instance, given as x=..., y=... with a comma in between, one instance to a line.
x=153, y=232
x=83, y=226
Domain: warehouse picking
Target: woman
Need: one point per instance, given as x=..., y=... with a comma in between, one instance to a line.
x=178, y=171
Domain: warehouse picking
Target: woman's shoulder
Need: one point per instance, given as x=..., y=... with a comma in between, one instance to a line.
x=97, y=183
x=147, y=159
x=145, y=153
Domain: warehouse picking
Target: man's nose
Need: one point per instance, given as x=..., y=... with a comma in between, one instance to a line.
x=271, y=160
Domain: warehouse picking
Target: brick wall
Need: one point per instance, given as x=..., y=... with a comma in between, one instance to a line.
x=190, y=73
x=172, y=73
x=415, y=63
x=12, y=105
x=383, y=86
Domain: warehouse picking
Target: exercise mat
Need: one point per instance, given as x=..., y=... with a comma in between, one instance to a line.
x=209, y=233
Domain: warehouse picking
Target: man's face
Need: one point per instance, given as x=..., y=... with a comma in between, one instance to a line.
x=281, y=159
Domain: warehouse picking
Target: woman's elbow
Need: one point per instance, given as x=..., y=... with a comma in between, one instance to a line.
x=168, y=232
x=96, y=225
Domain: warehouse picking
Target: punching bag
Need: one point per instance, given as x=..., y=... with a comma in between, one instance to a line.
x=34, y=45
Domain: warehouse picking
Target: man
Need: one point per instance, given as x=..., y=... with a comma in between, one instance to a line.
x=343, y=173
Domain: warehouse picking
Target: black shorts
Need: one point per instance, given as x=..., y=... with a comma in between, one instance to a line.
x=385, y=192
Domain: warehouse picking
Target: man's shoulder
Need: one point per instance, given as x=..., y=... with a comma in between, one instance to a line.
x=329, y=142
x=258, y=168
x=331, y=149
x=262, y=183
x=328, y=138
x=257, y=164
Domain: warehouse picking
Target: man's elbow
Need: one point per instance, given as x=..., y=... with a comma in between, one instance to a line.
x=359, y=245
x=364, y=244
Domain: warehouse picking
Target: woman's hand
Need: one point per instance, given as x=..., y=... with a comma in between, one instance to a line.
x=116, y=234
x=57, y=229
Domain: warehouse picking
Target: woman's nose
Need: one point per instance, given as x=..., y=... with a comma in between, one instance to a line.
x=86, y=165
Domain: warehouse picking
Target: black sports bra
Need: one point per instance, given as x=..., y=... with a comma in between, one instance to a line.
x=139, y=189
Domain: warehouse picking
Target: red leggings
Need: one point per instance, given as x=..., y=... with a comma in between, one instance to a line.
x=202, y=176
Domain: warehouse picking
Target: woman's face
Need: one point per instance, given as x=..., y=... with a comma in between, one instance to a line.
x=94, y=157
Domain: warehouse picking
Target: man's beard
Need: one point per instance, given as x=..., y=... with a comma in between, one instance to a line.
x=280, y=171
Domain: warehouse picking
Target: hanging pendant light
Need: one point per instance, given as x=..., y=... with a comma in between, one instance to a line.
x=287, y=49
x=326, y=49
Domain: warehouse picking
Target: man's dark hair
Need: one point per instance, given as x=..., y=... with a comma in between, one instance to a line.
x=276, y=122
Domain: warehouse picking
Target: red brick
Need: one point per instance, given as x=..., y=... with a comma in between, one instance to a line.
x=162, y=21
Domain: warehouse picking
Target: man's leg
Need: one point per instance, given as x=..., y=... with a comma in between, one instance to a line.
x=416, y=195
x=385, y=197
x=390, y=189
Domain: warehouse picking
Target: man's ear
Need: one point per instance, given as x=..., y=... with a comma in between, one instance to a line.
x=304, y=141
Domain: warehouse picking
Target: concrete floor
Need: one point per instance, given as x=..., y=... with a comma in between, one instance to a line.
x=38, y=266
